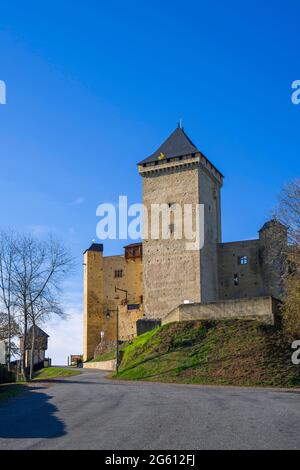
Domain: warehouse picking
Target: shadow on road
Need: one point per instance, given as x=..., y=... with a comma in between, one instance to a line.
x=30, y=416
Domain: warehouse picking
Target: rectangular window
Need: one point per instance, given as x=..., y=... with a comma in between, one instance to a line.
x=133, y=306
x=242, y=260
x=118, y=273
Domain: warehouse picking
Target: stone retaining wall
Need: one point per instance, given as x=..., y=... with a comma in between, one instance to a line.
x=101, y=365
x=265, y=309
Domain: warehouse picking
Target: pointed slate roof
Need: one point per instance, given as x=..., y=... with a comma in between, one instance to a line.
x=38, y=332
x=176, y=145
x=95, y=247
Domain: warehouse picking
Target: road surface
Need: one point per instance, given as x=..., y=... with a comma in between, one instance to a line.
x=90, y=411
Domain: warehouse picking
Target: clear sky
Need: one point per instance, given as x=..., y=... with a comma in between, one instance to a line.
x=94, y=87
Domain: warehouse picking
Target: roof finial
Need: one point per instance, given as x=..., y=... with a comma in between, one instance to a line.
x=180, y=124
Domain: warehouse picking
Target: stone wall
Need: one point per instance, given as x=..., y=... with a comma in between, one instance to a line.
x=101, y=300
x=171, y=272
x=273, y=243
x=146, y=324
x=132, y=280
x=93, y=302
x=249, y=276
x=127, y=322
x=101, y=365
x=209, y=195
x=265, y=309
x=262, y=273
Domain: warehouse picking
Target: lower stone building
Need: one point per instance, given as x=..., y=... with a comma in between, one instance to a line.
x=37, y=337
x=160, y=278
x=113, y=287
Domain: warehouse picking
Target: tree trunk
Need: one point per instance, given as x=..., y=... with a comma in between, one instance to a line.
x=9, y=341
x=32, y=352
x=23, y=357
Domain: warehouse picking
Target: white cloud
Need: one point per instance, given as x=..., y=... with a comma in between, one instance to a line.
x=39, y=230
x=79, y=200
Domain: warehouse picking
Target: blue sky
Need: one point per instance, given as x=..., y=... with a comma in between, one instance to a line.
x=93, y=87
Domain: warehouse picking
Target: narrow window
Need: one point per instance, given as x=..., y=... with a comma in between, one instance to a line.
x=242, y=260
x=236, y=280
x=171, y=228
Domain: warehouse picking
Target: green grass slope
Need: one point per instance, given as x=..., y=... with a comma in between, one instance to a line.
x=54, y=373
x=227, y=352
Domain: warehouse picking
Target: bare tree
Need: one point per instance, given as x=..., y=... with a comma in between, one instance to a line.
x=7, y=254
x=288, y=213
x=9, y=329
x=289, y=210
x=39, y=268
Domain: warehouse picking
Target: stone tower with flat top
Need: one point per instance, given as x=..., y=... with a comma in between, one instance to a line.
x=178, y=173
x=93, y=299
x=102, y=275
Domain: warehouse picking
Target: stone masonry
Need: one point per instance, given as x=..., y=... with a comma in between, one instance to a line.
x=161, y=278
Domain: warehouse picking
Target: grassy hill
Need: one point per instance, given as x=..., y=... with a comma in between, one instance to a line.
x=54, y=373
x=231, y=352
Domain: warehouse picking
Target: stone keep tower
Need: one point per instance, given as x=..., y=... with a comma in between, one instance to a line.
x=93, y=298
x=178, y=173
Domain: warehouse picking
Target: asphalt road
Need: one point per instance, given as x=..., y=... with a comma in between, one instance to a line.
x=92, y=412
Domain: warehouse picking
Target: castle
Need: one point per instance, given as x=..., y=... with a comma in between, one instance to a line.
x=160, y=279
